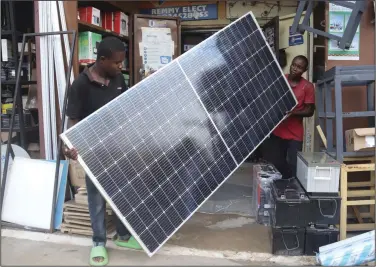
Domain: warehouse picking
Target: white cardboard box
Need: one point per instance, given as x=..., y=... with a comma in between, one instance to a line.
x=360, y=139
x=121, y=22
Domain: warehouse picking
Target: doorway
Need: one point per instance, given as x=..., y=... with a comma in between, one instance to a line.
x=192, y=37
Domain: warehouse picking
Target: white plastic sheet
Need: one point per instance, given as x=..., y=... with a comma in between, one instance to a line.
x=353, y=251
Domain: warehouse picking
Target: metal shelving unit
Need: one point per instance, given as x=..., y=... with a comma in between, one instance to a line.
x=338, y=78
x=11, y=33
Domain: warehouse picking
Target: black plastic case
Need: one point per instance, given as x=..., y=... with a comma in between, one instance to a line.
x=318, y=236
x=288, y=241
x=291, y=204
x=325, y=209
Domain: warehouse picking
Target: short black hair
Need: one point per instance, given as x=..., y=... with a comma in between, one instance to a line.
x=108, y=45
x=304, y=58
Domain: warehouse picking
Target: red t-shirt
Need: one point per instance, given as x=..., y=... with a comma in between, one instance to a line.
x=292, y=127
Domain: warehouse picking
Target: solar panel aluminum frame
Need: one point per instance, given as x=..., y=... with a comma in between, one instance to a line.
x=106, y=196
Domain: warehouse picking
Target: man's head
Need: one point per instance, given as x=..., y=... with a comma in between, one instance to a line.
x=110, y=56
x=299, y=65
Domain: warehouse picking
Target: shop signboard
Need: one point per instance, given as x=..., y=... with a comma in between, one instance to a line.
x=295, y=38
x=186, y=13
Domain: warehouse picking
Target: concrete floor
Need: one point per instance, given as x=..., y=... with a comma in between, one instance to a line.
x=24, y=252
x=223, y=232
x=205, y=239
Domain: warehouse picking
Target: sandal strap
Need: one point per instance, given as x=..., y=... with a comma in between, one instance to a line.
x=98, y=252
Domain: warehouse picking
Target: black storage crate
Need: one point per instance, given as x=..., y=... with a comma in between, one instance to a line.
x=325, y=208
x=291, y=204
x=288, y=241
x=318, y=236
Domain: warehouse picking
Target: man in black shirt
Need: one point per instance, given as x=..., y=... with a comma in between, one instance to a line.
x=97, y=85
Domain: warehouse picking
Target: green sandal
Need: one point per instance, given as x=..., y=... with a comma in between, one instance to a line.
x=131, y=243
x=96, y=252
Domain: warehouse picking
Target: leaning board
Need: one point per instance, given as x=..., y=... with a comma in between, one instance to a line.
x=162, y=148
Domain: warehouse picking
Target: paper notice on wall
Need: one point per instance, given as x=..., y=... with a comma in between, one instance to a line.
x=338, y=18
x=156, y=49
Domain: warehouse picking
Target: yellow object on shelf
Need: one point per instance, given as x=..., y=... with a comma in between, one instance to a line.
x=4, y=107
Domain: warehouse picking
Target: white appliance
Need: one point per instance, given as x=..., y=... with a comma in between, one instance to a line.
x=318, y=172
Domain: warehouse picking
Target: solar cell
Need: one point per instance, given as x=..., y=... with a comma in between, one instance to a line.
x=159, y=150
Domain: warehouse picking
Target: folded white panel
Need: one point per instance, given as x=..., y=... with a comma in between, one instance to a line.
x=353, y=251
x=29, y=193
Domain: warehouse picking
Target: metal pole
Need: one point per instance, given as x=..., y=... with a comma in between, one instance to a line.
x=57, y=172
x=41, y=34
x=19, y=95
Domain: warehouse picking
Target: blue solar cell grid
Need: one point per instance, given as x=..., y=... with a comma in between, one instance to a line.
x=158, y=151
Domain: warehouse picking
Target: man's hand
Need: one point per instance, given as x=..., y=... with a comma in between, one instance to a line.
x=71, y=153
x=288, y=113
x=307, y=111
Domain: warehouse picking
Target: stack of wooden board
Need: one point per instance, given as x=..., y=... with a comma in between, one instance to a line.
x=76, y=218
x=81, y=197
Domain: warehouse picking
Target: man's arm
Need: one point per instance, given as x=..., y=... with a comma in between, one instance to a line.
x=75, y=102
x=124, y=86
x=308, y=111
x=74, y=113
x=72, y=122
x=309, y=102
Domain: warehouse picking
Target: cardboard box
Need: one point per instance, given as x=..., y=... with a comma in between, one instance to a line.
x=121, y=23
x=360, y=139
x=76, y=174
x=108, y=21
x=90, y=15
x=87, y=47
x=26, y=48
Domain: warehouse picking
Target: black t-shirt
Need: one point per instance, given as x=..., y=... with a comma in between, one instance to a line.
x=87, y=95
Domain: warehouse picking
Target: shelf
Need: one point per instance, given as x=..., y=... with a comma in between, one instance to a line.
x=354, y=114
x=13, y=82
x=354, y=154
x=17, y=130
x=101, y=5
x=84, y=26
x=8, y=33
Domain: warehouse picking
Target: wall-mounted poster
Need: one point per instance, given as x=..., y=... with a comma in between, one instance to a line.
x=156, y=42
x=338, y=18
x=271, y=32
x=156, y=48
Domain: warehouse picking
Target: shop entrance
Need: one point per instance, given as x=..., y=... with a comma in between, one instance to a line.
x=192, y=37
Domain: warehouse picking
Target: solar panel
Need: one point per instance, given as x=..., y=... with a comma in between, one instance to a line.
x=159, y=150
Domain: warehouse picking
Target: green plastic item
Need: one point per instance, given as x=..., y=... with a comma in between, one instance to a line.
x=131, y=243
x=98, y=251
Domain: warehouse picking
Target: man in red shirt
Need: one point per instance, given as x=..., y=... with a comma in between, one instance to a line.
x=282, y=146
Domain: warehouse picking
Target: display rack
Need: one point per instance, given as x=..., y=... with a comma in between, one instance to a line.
x=85, y=26
x=9, y=151
x=338, y=78
x=11, y=33
x=355, y=194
